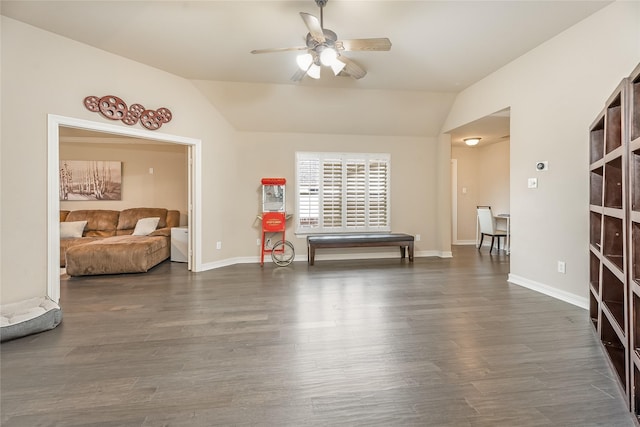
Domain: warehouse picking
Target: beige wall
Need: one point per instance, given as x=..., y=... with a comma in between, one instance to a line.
x=46, y=74
x=166, y=187
x=413, y=180
x=555, y=91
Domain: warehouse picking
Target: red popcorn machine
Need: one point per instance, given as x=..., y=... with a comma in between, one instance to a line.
x=274, y=219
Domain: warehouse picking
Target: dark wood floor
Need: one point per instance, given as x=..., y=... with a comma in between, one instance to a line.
x=440, y=342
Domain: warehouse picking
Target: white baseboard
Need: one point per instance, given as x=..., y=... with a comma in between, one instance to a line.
x=465, y=242
x=323, y=257
x=573, y=299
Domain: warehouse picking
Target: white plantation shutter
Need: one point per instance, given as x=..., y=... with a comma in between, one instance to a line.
x=340, y=192
x=356, y=186
x=332, y=194
x=378, y=190
x=308, y=201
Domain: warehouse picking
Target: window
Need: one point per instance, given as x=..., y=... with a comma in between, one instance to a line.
x=342, y=192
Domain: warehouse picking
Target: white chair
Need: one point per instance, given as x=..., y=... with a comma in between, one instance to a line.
x=487, y=224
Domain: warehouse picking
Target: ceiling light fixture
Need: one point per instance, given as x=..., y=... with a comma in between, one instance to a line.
x=304, y=61
x=328, y=56
x=314, y=71
x=471, y=141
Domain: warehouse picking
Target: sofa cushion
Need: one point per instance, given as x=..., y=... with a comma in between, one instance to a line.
x=72, y=229
x=145, y=226
x=100, y=223
x=129, y=218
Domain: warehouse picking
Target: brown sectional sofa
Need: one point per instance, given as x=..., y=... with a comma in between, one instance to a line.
x=107, y=245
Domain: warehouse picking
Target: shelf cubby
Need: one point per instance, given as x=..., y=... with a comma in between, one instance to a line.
x=636, y=386
x=596, y=187
x=613, y=183
x=595, y=225
x=613, y=296
x=634, y=179
x=635, y=108
x=613, y=125
x=635, y=252
x=635, y=317
x=594, y=309
x=615, y=350
x=596, y=140
x=594, y=273
x=613, y=241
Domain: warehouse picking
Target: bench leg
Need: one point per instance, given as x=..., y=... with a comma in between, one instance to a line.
x=410, y=249
x=312, y=254
x=402, y=251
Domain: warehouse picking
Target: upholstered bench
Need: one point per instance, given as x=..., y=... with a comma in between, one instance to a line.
x=359, y=240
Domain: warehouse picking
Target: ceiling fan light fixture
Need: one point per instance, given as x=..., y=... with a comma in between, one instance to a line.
x=328, y=56
x=304, y=61
x=314, y=71
x=337, y=66
x=472, y=141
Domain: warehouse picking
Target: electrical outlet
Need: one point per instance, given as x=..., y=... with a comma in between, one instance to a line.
x=562, y=267
x=417, y=237
x=532, y=183
x=257, y=242
x=218, y=245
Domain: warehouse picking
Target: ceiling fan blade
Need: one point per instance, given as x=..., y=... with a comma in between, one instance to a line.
x=351, y=68
x=315, y=29
x=279, y=49
x=298, y=75
x=379, y=44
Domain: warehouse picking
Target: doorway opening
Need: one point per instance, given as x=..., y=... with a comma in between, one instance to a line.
x=194, y=221
x=480, y=174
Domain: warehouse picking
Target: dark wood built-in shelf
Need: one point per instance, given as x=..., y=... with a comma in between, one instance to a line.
x=614, y=227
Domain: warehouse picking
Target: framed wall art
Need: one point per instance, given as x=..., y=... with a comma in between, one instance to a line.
x=90, y=180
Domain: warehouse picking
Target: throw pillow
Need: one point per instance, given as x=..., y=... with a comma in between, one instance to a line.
x=72, y=229
x=146, y=226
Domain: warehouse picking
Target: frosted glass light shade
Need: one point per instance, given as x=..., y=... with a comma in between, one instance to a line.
x=314, y=71
x=337, y=66
x=471, y=141
x=328, y=56
x=304, y=61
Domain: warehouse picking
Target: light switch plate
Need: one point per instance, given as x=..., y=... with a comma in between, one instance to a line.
x=532, y=183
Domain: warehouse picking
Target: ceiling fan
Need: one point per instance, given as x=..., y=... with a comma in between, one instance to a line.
x=324, y=48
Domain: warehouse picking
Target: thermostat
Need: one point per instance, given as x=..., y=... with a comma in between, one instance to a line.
x=542, y=166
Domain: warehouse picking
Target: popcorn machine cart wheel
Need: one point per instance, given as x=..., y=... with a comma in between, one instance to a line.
x=274, y=222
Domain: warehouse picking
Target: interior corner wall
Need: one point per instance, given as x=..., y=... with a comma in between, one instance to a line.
x=555, y=92
x=43, y=73
x=271, y=154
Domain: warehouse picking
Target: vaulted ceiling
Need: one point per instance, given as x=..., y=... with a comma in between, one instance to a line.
x=438, y=49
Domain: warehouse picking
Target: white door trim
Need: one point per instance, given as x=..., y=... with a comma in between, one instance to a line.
x=454, y=201
x=53, y=183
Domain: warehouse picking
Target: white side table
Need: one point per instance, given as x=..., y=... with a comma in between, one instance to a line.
x=179, y=244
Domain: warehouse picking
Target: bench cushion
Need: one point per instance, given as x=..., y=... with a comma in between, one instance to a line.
x=360, y=238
